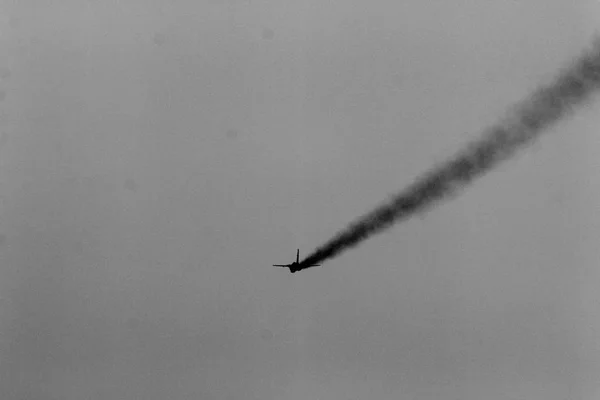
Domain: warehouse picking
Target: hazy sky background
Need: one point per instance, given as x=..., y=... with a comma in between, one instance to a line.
x=157, y=157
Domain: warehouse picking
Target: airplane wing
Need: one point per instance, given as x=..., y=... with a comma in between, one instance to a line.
x=307, y=266
x=279, y=265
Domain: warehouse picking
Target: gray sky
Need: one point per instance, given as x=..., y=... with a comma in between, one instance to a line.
x=157, y=157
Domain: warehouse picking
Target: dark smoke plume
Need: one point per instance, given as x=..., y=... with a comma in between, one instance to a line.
x=527, y=121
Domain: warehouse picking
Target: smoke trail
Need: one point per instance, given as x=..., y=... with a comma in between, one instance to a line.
x=528, y=120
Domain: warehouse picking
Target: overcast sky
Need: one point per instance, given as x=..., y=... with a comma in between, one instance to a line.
x=156, y=157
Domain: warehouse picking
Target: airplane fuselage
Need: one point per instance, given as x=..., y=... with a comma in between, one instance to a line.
x=294, y=267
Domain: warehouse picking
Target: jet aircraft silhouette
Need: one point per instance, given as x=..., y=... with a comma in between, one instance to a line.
x=295, y=266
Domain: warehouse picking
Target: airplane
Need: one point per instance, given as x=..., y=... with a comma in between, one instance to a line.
x=295, y=266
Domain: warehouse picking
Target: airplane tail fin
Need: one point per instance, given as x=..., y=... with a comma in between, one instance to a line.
x=298, y=256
